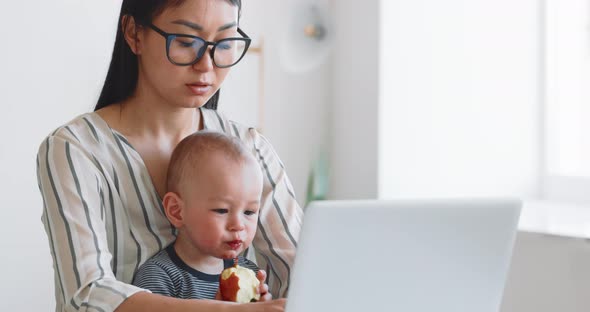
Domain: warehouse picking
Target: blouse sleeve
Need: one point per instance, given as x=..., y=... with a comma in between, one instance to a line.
x=71, y=186
x=280, y=219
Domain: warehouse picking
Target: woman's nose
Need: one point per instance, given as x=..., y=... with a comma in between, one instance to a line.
x=206, y=61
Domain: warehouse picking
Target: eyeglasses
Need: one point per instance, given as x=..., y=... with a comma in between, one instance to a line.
x=185, y=50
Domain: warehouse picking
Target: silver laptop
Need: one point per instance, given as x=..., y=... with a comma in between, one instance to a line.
x=407, y=255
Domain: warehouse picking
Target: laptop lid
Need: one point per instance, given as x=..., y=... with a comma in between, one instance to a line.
x=404, y=255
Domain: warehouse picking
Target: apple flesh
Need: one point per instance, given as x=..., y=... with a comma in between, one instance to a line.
x=239, y=284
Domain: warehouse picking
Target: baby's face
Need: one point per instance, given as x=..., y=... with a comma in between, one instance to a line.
x=221, y=206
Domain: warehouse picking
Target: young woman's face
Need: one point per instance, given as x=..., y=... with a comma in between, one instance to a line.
x=193, y=85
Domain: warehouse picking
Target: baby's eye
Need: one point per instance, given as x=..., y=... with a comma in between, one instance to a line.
x=250, y=212
x=220, y=210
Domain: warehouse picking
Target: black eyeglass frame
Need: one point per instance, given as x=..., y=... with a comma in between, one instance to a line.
x=171, y=36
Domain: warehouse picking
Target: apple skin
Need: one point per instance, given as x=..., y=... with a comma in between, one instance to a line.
x=239, y=284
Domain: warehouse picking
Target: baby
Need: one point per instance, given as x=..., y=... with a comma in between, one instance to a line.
x=214, y=185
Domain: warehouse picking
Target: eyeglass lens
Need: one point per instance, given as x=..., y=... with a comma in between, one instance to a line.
x=186, y=50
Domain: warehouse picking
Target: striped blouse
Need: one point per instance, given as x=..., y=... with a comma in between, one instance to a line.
x=104, y=218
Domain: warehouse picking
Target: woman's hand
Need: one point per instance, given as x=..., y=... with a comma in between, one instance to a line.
x=263, y=287
x=277, y=305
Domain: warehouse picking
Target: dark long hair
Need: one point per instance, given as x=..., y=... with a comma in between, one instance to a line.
x=122, y=76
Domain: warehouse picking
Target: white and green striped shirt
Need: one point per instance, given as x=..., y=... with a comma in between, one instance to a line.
x=104, y=218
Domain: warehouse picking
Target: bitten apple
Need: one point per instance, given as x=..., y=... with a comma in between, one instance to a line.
x=239, y=284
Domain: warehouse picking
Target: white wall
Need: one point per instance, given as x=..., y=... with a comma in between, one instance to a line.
x=353, y=126
x=434, y=98
x=296, y=105
x=55, y=72
x=54, y=57
x=459, y=99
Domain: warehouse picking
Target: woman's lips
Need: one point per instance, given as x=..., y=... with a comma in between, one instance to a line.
x=199, y=89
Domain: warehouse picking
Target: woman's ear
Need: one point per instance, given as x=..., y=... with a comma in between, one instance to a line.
x=173, y=206
x=131, y=32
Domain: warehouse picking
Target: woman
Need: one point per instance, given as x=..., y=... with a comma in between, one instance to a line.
x=102, y=175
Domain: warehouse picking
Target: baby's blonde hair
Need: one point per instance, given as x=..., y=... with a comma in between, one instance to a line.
x=193, y=150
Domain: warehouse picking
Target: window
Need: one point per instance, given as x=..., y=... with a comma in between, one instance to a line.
x=567, y=100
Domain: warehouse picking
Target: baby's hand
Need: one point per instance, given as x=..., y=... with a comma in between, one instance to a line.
x=218, y=295
x=263, y=287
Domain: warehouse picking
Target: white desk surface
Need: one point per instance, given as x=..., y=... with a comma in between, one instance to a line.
x=553, y=218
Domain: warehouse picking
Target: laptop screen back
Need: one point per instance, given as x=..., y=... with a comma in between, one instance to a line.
x=405, y=255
